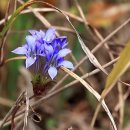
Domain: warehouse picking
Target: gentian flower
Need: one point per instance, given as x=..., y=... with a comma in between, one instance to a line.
x=45, y=46
x=29, y=49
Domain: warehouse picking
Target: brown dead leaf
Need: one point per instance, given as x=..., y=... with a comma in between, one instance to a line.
x=102, y=14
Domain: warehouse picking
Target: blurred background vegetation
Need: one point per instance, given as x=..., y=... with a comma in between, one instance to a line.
x=74, y=106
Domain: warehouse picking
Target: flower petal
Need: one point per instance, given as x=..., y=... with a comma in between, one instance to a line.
x=20, y=50
x=30, y=61
x=52, y=71
x=60, y=60
x=50, y=35
x=63, y=52
x=66, y=64
x=37, y=34
x=33, y=32
x=63, y=41
x=48, y=48
x=41, y=33
x=30, y=41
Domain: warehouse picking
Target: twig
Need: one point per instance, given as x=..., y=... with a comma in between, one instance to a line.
x=11, y=110
x=46, y=10
x=121, y=100
x=6, y=102
x=13, y=116
x=111, y=35
x=82, y=16
x=124, y=98
x=26, y=110
x=87, y=26
x=38, y=15
x=90, y=73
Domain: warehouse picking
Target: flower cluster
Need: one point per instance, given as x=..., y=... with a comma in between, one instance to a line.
x=45, y=46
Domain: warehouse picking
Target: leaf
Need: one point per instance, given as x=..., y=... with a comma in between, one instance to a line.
x=119, y=68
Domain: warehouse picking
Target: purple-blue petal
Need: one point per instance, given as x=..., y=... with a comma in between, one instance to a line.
x=31, y=41
x=63, y=52
x=48, y=57
x=60, y=60
x=63, y=41
x=42, y=33
x=50, y=35
x=52, y=71
x=66, y=64
x=30, y=61
x=20, y=50
x=33, y=32
x=48, y=48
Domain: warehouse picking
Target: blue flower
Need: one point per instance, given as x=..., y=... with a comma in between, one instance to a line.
x=46, y=46
x=29, y=49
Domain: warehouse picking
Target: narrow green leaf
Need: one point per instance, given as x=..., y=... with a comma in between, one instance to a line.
x=119, y=68
x=13, y=17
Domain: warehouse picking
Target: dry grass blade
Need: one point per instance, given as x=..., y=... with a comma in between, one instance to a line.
x=125, y=96
x=121, y=100
x=35, y=104
x=45, y=10
x=26, y=111
x=91, y=57
x=3, y=39
x=15, y=58
x=10, y=111
x=6, y=102
x=98, y=97
x=38, y=15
